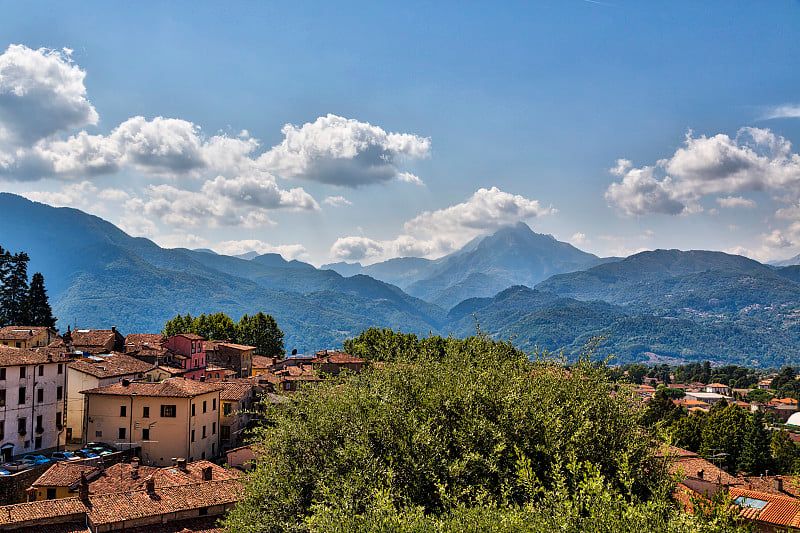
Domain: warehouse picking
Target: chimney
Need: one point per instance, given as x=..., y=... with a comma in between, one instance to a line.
x=114, y=329
x=208, y=473
x=83, y=489
x=778, y=483
x=101, y=465
x=150, y=485
x=135, y=468
x=31, y=494
x=174, y=461
x=181, y=463
x=700, y=473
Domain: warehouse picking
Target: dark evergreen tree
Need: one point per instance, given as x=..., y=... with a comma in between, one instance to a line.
x=5, y=264
x=14, y=293
x=755, y=456
x=39, y=310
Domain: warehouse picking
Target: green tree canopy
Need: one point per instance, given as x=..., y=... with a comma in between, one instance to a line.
x=756, y=456
x=474, y=437
x=261, y=331
x=784, y=452
x=723, y=434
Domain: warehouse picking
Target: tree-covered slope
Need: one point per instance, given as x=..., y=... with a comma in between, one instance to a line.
x=99, y=276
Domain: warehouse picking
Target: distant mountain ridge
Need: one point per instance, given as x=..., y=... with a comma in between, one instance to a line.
x=513, y=255
x=663, y=304
x=97, y=276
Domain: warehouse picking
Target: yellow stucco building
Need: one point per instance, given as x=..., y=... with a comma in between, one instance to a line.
x=174, y=418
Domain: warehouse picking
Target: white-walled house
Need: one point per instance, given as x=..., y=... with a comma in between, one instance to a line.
x=32, y=400
x=92, y=372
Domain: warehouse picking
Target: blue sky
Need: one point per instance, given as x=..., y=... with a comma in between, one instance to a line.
x=411, y=128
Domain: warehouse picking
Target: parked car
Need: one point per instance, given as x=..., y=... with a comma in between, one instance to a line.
x=16, y=466
x=101, y=448
x=86, y=453
x=36, y=459
x=62, y=456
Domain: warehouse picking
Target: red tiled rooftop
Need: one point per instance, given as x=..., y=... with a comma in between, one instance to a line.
x=92, y=337
x=780, y=511
x=190, y=336
x=65, y=474
x=111, y=365
x=20, y=332
x=116, y=507
x=21, y=356
x=171, y=387
x=142, y=339
x=238, y=347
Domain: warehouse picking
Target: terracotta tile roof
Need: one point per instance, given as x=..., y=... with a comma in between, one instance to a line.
x=92, y=338
x=20, y=332
x=171, y=387
x=42, y=510
x=191, y=336
x=120, y=477
x=116, y=507
x=21, y=356
x=717, y=385
x=259, y=361
x=790, y=485
x=689, y=464
x=238, y=347
x=111, y=365
x=66, y=474
x=142, y=339
x=234, y=392
x=123, y=477
x=781, y=511
x=338, y=358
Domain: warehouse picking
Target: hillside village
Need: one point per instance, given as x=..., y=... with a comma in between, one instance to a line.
x=98, y=425
x=136, y=411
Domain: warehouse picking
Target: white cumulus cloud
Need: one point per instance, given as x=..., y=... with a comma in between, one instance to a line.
x=345, y=152
x=41, y=94
x=754, y=160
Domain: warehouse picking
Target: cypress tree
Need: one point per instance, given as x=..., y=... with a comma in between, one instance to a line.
x=40, y=312
x=14, y=294
x=5, y=259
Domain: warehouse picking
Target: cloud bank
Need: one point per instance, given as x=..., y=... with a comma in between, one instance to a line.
x=435, y=233
x=754, y=160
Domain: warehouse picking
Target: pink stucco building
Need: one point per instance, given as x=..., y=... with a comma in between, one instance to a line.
x=192, y=351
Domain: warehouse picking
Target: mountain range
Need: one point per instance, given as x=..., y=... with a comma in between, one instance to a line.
x=658, y=306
